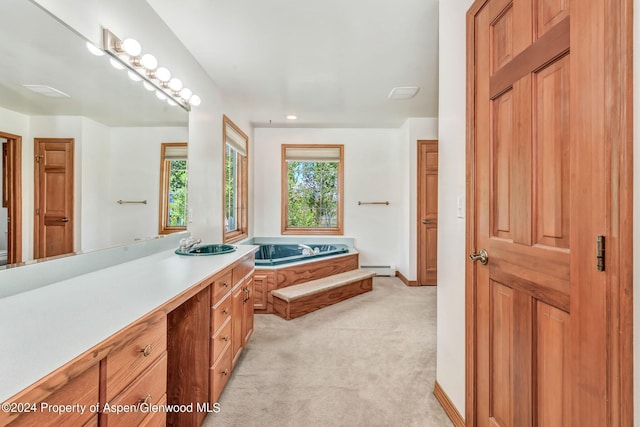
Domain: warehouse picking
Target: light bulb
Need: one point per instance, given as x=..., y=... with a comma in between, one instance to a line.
x=195, y=100
x=186, y=94
x=132, y=47
x=148, y=86
x=163, y=74
x=160, y=95
x=133, y=76
x=94, y=50
x=117, y=65
x=175, y=84
x=149, y=61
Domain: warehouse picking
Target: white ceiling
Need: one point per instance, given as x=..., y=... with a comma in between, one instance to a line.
x=330, y=62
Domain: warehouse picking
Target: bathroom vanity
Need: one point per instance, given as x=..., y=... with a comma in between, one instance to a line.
x=151, y=341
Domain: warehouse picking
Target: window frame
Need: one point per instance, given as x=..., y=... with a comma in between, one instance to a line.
x=284, y=192
x=242, y=187
x=163, y=228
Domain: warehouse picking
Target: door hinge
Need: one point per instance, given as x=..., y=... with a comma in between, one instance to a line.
x=38, y=211
x=600, y=253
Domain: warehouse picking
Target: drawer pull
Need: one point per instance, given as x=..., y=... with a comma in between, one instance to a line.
x=225, y=284
x=146, y=351
x=225, y=338
x=146, y=400
x=225, y=311
x=225, y=372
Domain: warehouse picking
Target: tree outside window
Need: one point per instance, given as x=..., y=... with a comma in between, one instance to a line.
x=173, y=187
x=312, y=190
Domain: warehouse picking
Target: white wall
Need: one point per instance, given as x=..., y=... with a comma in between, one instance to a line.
x=134, y=174
x=373, y=165
x=451, y=176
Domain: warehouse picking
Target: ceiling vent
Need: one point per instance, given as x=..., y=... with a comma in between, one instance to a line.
x=46, y=91
x=403, y=92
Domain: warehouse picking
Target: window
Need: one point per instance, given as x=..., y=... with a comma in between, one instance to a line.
x=236, y=157
x=173, y=187
x=312, y=187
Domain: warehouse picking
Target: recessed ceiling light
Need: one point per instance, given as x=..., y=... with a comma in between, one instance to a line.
x=403, y=92
x=46, y=91
x=291, y=117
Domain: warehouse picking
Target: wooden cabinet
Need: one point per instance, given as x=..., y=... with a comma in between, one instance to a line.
x=81, y=390
x=231, y=323
x=247, y=311
x=183, y=353
x=135, y=372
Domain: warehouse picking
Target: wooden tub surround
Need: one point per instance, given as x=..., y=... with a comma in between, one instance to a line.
x=181, y=352
x=298, y=300
x=268, y=279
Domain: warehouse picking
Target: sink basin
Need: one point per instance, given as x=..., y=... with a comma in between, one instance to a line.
x=206, y=250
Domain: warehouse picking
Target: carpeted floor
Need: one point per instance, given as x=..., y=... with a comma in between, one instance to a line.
x=367, y=361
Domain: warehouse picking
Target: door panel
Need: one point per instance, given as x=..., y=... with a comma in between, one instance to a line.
x=54, y=197
x=551, y=153
x=553, y=366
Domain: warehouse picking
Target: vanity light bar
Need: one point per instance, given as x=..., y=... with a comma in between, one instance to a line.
x=128, y=52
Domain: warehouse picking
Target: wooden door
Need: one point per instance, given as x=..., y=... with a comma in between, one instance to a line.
x=53, y=229
x=541, y=156
x=12, y=192
x=247, y=311
x=427, y=212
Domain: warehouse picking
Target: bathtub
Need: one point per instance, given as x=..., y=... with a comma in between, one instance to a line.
x=276, y=254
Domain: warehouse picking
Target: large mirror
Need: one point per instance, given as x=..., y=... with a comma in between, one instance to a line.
x=52, y=88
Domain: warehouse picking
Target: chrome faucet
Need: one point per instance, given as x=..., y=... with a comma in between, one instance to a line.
x=187, y=244
x=306, y=250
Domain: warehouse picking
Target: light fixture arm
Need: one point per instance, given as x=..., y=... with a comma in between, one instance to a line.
x=114, y=47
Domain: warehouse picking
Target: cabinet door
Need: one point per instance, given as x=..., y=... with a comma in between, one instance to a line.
x=236, y=322
x=247, y=318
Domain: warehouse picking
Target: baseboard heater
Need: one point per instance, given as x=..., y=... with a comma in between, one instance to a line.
x=381, y=270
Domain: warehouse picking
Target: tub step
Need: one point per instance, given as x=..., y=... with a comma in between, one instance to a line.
x=298, y=300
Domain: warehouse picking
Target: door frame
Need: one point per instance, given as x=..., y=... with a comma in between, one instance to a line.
x=617, y=30
x=420, y=189
x=36, y=192
x=14, y=144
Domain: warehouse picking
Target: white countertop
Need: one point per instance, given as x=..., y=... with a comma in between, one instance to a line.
x=45, y=328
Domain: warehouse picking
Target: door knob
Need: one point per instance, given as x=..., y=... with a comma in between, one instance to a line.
x=63, y=219
x=481, y=256
x=427, y=221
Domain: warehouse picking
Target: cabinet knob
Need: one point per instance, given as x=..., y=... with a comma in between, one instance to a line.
x=225, y=311
x=146, y=400
x=225, y=372
x=146, y=351
x=225, y=338
x=225, y=285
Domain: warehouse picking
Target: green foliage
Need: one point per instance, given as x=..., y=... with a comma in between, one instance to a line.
x=178, y=194
x=313, y=194
x=230, y=191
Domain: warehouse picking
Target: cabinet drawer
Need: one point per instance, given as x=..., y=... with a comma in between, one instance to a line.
x=135, y=349
x=221, y=286
x=241, y=270
x=220, y=340
x=82, y=390
x=150, y=387
x=157, y=418
x=219, y=374
x=221, y=312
